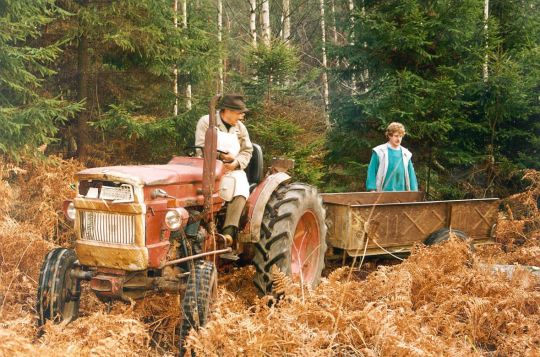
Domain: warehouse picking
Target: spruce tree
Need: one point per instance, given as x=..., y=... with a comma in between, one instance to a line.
x=425, y=62
x=120, y=58
x=29, y=115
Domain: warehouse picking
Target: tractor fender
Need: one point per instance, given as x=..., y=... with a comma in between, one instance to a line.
x=256, y=204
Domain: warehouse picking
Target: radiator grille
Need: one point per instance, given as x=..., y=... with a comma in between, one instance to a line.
x=108, y=227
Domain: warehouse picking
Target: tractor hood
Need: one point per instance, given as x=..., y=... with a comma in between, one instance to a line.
x=179, y=170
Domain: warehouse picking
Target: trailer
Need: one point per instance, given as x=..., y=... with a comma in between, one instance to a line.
x=376, y=223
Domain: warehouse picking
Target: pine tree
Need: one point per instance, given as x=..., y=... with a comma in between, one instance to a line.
x=28, y=114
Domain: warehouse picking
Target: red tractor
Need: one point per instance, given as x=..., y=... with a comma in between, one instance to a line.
x=155, y=228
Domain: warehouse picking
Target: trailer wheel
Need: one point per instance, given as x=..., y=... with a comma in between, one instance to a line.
x=58, y=293
x=200, y=292
x=293, y=237
x=443, y=235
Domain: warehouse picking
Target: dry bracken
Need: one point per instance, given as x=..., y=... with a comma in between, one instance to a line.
x=439, y=301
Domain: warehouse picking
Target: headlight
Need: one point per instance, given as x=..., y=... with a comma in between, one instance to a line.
x=69, y=210
x=176, y=218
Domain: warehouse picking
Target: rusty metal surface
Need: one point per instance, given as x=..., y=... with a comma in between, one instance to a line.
x=475, y=218
x=157, y=253
x=87, y=204
x=256, y=203
x=92, y=253
x=395, y=227
x=470, y=201
x=179, y=170
x=197, y=256
x=116, y=257
x=281, y=164
x=358, y=198
x=210, y=157
x=340, y=233
x=107, y=286
x=189, y=195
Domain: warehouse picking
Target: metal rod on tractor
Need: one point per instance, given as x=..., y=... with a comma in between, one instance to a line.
x=197, y=256
x=210, y=157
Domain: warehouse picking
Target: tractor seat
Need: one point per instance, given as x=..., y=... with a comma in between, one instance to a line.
x=254, y=170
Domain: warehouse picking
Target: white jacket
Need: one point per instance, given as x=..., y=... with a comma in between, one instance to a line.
x=382, y=154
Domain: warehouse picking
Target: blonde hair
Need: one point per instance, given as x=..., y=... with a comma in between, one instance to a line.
x=395, y=127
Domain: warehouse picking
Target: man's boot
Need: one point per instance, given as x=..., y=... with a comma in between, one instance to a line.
x=232, y=217
x=229, y=234
x=232, y=220
x=231, y=231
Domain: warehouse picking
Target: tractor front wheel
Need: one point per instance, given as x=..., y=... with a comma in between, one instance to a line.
x=293, y=237
x=200, y=292
x=58, y=292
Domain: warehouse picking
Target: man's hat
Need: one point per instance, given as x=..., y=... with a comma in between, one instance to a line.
x=234, y=102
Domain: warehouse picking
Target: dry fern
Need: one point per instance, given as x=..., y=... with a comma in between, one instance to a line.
x=435, y=303
x=281, y=283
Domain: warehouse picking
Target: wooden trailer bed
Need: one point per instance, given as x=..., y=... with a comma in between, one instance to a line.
x=392, y=222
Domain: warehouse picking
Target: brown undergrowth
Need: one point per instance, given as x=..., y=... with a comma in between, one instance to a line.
x=442, y=300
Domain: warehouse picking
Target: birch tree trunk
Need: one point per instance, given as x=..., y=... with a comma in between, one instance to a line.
x=253, y=22
x=175, y=69
x=83, y=65
x=486, y=18
x=188, y=82
x=286, y=21
x=266, y=22
x=365, y=73
x=83, y=78
x=351, y=42
x=325, y=66
x=220, y=41
x=334, y=28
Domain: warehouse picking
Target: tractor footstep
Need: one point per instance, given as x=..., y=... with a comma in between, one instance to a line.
x=229, y=256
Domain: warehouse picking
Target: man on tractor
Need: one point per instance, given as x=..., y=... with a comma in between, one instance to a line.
x=235, y=150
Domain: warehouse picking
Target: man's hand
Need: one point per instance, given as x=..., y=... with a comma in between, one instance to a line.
x=229, y=163
x=231, y=166
x=226, y=157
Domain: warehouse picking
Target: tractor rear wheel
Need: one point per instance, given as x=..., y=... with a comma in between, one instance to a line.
x=293, y=237
x=58, y=292
x=200, y=292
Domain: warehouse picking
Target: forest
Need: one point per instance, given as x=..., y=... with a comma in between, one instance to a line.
x=91, y=83
x=125, y=81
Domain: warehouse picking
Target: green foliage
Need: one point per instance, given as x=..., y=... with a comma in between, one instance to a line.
x=29, y=117
x=272, y=68
x=421, y=61
x=276, y=62
x=424, y=61
x=283, y=132
x=200, y=53
x=133, y=47
x=148, y=139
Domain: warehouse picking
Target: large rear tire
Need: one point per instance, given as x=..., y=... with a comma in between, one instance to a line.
x=200, y=292
x=58, y=292
x=293, y=237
